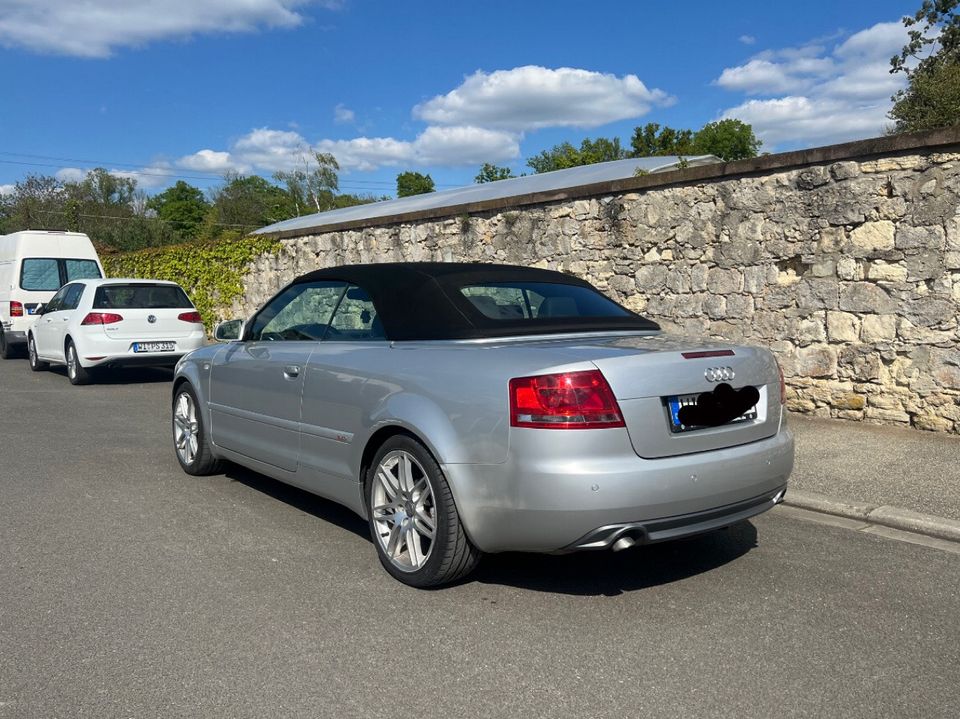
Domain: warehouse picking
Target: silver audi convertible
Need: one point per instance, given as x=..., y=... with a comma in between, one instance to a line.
x=472, y=408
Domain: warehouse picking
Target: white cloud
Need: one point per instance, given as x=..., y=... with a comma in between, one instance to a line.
x=7, y=190
x=343, y=114
x=747, y=39
x=150, y=177
x=532, y=97
x=95, y=28
x=815, y=95
x=70, y=174
x=211, y=161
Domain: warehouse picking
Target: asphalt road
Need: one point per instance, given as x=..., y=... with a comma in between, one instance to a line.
x=128, y=589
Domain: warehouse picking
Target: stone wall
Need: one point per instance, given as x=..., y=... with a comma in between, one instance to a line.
x=848, y=269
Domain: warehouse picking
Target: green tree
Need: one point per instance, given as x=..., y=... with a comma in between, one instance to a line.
x=727, y=139
x=564, y=155
x=413, y=183
x=348, y=200
x=313, y=184
x=930, y=60
x=245, y=203
x=492, y=173
x=36, y=203
x=652, y=140
x=182, y=207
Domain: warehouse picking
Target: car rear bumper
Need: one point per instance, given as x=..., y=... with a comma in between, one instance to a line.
x=562, y=491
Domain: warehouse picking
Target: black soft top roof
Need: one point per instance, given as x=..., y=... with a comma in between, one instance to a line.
x=422, y=300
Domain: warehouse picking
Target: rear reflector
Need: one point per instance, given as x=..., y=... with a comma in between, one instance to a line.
x=707, y=353
x=16, y=309
x=570, y=400
x=101, y=318
x=193, y=317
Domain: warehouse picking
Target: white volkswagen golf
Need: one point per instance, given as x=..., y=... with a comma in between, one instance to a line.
x=114, y=323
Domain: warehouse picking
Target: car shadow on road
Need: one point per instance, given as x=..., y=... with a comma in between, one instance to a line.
x=602, y=573
x=124, y=375
x=300, y=499
x=607, y=573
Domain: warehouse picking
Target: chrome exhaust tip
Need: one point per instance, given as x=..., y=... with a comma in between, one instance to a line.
x=625, y=542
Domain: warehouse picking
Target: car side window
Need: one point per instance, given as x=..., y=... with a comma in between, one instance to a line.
x=56, y=302
x=300, y=313
x=356, y=319
x=71, y=297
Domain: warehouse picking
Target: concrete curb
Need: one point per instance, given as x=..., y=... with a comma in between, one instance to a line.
x=887, y=516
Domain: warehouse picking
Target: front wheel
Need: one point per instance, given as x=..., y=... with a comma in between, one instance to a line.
x=76, y=372
x=413, y=519
x=35, y=363
x=190, y=436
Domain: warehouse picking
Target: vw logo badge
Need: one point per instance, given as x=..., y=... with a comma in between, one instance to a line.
x=151, y=318
x=719, y=374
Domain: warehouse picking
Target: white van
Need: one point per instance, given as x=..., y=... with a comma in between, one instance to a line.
x=34, y=264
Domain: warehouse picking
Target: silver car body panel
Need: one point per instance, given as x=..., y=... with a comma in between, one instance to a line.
x=515, y=489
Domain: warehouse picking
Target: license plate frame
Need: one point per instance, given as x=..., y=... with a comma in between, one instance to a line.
x=154, y=346
x=675, y=402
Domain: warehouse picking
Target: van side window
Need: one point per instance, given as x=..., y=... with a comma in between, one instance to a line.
x=40, y=275
x=82, y=270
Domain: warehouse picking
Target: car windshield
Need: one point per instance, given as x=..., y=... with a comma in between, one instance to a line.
x=140, y=296
x=539, y=300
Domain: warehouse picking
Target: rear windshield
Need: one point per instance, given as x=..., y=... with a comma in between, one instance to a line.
x=140, y=296
x=539, y=300
x=48, y=274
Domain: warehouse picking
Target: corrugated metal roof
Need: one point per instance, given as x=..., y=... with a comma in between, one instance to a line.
x=544, y=182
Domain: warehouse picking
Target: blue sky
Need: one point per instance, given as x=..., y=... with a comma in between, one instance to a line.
x=172, y=89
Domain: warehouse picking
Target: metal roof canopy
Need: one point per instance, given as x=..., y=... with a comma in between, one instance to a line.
x=514, y=187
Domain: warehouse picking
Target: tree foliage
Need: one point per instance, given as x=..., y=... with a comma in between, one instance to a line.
x=182, y=207
x=413, y=183
x=931, y=62
x=492, y=173
x=564, y=155
x=728, y=139
x=313, y=184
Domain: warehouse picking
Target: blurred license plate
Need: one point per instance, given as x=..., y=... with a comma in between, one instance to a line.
x=675, y=402
x=154, y=346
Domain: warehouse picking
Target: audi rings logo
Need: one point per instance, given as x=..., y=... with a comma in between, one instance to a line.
x=719, y=374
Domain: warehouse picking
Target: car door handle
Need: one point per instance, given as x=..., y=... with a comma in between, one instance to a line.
x=291, y=371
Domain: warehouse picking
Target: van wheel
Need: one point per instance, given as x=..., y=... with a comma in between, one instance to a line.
x=76, y=371
x=35, y=363
x=7, y=351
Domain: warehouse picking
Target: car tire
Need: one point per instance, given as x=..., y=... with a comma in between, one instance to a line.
x=190, y=441
x=405, y=493
x=76, y=372
x=36, y=364
x=7, y=351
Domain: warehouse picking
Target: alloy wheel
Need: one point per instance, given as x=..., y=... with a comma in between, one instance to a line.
x=403, y=511
x=186, y=428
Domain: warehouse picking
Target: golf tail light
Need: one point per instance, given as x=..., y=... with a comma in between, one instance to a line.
x=16, y=309
x=192, y=317
x=569, y=400
x=101, y=318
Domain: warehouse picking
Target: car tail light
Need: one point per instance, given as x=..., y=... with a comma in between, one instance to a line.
x=193, y=317
x=570, y=400
x=783, y=385
x=16, y=309
x=101, y=318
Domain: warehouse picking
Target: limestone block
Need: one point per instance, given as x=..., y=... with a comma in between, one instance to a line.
x=880, y=270
x=865, y=297
x=816, y=361
x=879, y=328
x=842, y=327
x=912, y=238
x=724, y=281
x=873, y=236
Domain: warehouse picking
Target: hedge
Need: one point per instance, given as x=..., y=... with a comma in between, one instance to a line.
x=210, y=272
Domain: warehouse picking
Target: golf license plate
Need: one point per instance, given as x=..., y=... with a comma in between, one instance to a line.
x=154, y=346
x=675, y=402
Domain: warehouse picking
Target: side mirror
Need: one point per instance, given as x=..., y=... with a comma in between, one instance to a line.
x=228, y=331
x=38, y=310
